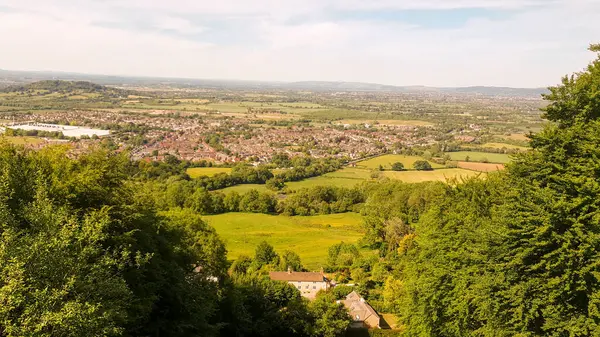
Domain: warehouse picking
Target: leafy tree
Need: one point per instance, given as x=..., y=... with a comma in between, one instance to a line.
x=397, y=166
x=422, y=165
x=290, y=260
x=332, y=318
x=265, y=254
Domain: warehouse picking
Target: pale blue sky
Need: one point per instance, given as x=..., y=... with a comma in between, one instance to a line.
x=525, y=43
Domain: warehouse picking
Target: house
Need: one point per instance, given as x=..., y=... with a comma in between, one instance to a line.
x=309, y=284
x=362, y=313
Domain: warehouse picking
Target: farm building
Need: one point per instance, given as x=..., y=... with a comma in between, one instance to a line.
x=362, y=313
x=309, y=284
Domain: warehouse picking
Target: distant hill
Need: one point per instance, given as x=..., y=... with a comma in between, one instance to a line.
x=59, y=86
x=22, y=78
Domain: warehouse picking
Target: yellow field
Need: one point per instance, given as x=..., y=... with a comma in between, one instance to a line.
x=196, y=172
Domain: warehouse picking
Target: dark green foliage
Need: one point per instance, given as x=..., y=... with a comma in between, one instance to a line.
x=342, y=256
x=398, y=166
x=516, y=254
x=79, y=256
x=290, y=260
x=264, y=254
x=422, y=165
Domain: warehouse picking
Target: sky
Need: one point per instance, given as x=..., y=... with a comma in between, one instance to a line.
x=449, y=43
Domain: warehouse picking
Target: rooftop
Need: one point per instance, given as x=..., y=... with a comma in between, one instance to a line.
x=296, y=276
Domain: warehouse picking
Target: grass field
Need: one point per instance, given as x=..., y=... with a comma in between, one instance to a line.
x=386, y=122
x=346, y=177
x=387, y=160
x=196, y=172
x=241, y=189
x=501, y=145
x=435, y=175
x=516, y=136
x=309, y=236
x=17, y=140
x=481, y=167
x=500, y=158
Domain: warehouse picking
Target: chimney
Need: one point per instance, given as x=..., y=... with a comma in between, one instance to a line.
x=289, y=270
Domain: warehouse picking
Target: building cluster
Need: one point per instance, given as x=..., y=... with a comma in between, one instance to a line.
x=154, y=134
x=309, y=284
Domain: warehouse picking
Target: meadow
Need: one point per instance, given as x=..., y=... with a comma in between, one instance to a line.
x=196, y=172
x=387, y=160
x=435, y=175
x=504, y=145
x=18, y=140
x=499, y=158
x=308, y=236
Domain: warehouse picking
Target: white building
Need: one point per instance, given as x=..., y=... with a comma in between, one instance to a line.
x=309, y=284
x=67, y=130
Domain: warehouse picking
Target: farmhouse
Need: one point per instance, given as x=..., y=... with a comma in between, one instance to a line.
x=309, y=284
x=362, y=313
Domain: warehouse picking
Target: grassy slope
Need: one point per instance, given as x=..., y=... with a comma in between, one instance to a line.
x=435, y=175
x=310, y=236
x=478, y=156
x=387, y=160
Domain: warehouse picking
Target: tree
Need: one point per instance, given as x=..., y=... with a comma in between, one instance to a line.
x=397, y=166
x=81, y=255
x=422, y=165
x=290, y=260
x=331, y=318
x=264, y=254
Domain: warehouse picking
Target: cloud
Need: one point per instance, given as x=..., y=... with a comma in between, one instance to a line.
x=534, y=44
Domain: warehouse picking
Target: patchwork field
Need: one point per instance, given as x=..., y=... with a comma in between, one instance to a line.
x=386, y=122
x=435, y=175
x=196, y=172
x=500, y=158
x=481, y=167
x=309, y=236
x=504, y=145
x=387, y=160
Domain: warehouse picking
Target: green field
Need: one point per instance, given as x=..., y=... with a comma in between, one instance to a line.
x=387, y=160
x=435, y=175
x=196, y=172
x=17, y=140
x=241, y=189
x=346, y=177
x=500, y=158
x=309, y=236
x=504, y=145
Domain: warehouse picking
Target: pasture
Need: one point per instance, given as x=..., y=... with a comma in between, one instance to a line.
x=480, y=167
x=18, y=140
x=499, y=158
x=308, y=236
x=196, y=172
x=435, y=175
x=387, y=160
x=504, y=145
